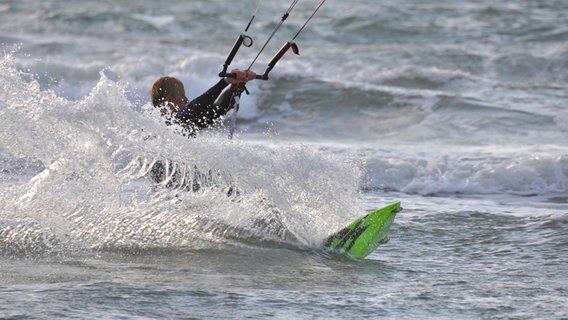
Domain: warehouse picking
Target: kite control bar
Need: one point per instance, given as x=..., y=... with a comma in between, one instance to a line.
x=290, y=44
x=271, y=64
x=245, y=40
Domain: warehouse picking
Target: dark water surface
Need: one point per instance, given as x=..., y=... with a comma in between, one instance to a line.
x=457, y=109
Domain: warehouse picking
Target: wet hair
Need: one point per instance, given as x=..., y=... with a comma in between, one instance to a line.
x=163, y=87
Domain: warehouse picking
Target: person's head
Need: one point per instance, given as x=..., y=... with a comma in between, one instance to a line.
x=168, y=92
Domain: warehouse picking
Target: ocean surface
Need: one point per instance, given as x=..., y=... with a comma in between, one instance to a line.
x=458, y=109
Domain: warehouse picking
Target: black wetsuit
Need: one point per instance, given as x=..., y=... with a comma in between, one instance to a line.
x=203, y=111
x=200, y=113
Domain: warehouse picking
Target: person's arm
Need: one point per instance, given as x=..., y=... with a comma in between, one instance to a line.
x=202, y=111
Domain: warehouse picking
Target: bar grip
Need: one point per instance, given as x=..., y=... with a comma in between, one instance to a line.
x=234, y=51
x=279, y=56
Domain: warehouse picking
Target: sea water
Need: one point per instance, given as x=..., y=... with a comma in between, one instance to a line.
x=457, y=109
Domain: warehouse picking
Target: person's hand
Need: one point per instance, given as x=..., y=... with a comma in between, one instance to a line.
x=241, y=78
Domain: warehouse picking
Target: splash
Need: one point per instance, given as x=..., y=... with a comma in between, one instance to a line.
x=97, y=174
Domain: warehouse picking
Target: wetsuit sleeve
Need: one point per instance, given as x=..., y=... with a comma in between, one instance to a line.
x=203, y=110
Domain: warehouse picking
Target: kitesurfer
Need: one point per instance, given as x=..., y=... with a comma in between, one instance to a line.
x=168, y=95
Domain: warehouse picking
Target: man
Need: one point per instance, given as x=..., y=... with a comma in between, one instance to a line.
x=168, y=94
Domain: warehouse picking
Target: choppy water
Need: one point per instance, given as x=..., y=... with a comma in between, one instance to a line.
x=459, y=110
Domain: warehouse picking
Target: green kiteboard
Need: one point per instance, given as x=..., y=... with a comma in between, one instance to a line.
x=363, y=235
